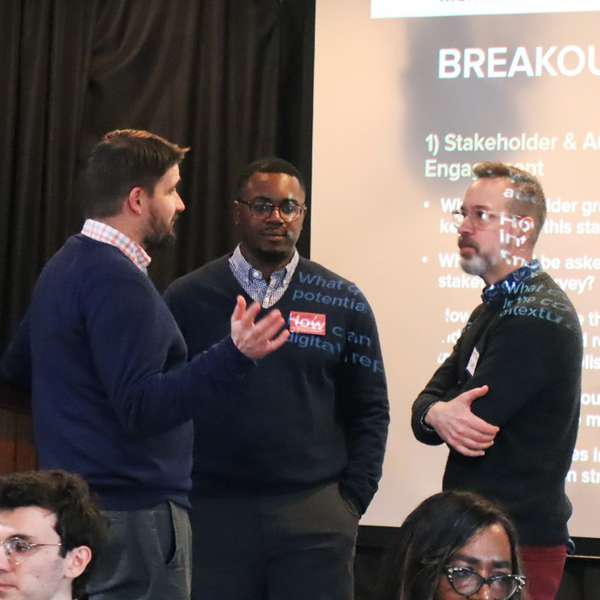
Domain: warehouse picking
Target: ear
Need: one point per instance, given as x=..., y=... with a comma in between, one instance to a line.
x=135, y=200
x=76, y=561
x=526, y=224
x=303, y=216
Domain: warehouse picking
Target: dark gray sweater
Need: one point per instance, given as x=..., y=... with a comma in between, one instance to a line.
x=530, y=351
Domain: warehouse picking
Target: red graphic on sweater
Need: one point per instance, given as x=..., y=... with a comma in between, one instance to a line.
x=305, y=322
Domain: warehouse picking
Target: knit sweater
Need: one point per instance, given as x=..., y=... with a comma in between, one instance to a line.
x=527, y=347
x=112, y=392
x=314, y=411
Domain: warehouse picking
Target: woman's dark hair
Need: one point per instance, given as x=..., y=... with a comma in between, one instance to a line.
x=429, y=537
x=79, y=522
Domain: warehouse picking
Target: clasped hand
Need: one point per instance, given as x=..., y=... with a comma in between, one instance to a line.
x=456, y=424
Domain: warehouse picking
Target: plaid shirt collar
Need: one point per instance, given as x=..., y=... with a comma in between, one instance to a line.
x=252, y=281
x=101, y=232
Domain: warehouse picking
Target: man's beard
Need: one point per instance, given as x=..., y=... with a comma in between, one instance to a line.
x=159, y=235
x=272, y=257
x=476, y=265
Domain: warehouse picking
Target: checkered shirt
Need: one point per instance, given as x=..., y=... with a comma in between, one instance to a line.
x=255, y=286
x=101, y=232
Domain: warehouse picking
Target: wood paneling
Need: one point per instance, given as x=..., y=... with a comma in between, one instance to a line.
x=17, y=450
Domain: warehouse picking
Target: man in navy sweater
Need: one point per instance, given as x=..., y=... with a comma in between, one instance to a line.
x=506, y=401
x=113, y=394
x=281, y=479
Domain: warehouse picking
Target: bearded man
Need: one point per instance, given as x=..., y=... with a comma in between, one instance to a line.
x=506, y=401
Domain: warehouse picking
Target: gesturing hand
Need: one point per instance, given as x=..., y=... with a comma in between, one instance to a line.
x=256, y=340
x=459, y=427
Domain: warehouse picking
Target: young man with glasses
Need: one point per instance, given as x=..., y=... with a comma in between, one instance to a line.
x=50, y=531
x=506, y=401
x=286, y=466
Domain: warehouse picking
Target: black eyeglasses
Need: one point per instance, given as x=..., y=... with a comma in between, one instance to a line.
x=467, y=582
x=17, y=549
x=262, y=208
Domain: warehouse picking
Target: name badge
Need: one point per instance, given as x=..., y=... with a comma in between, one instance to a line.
x=472, y=364
x=306, y=322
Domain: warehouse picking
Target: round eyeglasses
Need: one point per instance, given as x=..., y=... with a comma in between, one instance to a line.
x=262, y=208
x=467, y=582
x=17, y=549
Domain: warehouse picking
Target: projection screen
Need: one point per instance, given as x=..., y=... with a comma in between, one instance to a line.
x=407, y=97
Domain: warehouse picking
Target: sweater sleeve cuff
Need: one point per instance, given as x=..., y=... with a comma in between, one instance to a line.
x=423, y=432
x=423, y=424
x=235, y=361
x=223, y=362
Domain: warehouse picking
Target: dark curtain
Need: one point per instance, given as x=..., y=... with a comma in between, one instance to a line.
x=230, y=78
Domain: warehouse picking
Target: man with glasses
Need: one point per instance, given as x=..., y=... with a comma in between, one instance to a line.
x=506, y=401
x=50, y=531
x=283, y=471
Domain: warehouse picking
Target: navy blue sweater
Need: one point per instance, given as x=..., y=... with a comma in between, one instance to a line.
x=112, y=392
x=314, y=411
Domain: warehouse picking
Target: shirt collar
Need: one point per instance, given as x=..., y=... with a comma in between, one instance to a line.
x=101, y=232
x=282, y=277
x=510, y=284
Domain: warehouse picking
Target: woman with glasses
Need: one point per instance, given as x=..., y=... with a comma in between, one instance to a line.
x=454, y=545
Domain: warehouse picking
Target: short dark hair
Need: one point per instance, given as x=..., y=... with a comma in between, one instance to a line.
x=429, y=537
x=529, y=199
x=122, y=160
x=79, y=522
x=271, y=164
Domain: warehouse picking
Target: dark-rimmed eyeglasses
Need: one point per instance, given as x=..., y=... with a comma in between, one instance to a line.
x=467, y=582
x=262, y=208
x=17, y=549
